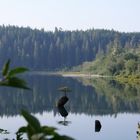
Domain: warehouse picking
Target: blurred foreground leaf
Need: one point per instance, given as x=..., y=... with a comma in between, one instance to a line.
x=35, y=131
x=5, y=68
x=2, y=131
x=32, y=121
x=17, y=70
x=10, y=76
x=14, y=82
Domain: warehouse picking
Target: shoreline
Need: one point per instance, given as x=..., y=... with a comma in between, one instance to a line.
x=68, y=74
x=81, y=75
x=121, y=79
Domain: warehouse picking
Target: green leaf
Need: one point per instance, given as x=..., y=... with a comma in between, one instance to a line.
x=32, y=121
x=17, y=70
x=19, y=136
x=48, y=130
x=22, y=129
x=2, y=131
x=39, y=136
x=6, y=68
x=14, y=82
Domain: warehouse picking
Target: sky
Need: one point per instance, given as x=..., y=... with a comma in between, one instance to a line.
x=120, y=15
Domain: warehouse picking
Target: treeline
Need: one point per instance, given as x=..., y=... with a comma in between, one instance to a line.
x=117, y=62
x=41, y=50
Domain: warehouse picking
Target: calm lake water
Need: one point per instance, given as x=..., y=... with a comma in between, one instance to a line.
x=116, y=106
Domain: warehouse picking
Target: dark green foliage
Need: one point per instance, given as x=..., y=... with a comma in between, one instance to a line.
x=10, y=76
x=33, y=124
x=16, y=71
x=124, y=62
x=2, y=131
x=19, y=136
x=14, y=82
x=37, y=132
x=129, y=56
x=131, y=66
x=6, y=68
x=40, y=50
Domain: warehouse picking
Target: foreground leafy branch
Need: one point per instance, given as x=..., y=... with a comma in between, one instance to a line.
x=35, y=131
x=9, y=76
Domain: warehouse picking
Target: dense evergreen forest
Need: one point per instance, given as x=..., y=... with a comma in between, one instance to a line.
x=41, y=50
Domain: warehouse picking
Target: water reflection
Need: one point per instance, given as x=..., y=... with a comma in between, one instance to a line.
x=94, y=97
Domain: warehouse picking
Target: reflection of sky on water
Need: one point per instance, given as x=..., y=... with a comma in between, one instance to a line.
x=124, y=126
x=11, y=124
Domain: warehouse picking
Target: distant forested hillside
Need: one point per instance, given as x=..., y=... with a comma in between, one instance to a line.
x=40, y=50
x=118, y=61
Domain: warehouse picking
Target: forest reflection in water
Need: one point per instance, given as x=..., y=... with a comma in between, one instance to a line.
x=88, y=96
x=90, y=105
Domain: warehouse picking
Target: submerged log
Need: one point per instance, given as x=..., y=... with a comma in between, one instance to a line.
x=97, y=126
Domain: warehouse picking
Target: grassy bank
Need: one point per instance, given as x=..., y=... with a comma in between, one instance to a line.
x=130, y=79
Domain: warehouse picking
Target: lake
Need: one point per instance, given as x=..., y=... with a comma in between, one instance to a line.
x=116, y=106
